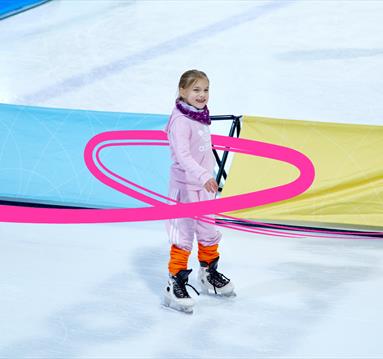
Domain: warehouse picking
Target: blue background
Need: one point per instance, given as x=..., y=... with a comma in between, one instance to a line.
x=42, y=156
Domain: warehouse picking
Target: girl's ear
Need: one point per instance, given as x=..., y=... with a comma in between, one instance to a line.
x=182, y=92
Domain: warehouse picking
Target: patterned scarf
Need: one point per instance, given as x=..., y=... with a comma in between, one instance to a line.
x=194, y=113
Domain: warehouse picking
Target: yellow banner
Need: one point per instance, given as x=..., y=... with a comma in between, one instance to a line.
x=348, y=160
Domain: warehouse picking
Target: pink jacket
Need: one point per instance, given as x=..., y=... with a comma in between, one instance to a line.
x=191, y=152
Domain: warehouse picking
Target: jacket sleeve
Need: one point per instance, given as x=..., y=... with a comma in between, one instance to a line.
x=179, y=136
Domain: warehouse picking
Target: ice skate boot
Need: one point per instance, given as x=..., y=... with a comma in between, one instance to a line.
x=176, y=294
x=213, y=282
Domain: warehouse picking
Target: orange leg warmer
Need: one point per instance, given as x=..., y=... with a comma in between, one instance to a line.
x=207, y=253
x=178, y=259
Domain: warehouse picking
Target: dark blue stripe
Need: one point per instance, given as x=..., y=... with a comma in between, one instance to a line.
x=101, y=72
x=12, y=7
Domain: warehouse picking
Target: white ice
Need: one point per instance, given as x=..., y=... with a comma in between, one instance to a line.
x=94, y=291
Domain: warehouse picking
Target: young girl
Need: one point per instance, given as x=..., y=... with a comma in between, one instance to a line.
x=191, y=180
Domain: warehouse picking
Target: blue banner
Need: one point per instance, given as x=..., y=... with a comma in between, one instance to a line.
x=42, y=156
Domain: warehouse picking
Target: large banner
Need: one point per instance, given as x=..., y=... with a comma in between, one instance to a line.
x=42, y=161
x=348, y=161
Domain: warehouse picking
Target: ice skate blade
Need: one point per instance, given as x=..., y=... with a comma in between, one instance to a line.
x=211, y=293
x=230, y=295
x=183, y=310
x=174, y=307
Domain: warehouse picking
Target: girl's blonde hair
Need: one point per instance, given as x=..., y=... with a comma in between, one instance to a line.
x=189, y=78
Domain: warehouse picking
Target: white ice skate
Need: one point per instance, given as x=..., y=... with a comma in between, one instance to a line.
x=213, y=282
x=176, y=296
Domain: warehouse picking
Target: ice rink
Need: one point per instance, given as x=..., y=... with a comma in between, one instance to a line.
x=94, y=291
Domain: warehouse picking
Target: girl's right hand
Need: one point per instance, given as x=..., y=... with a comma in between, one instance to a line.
x=211, y=185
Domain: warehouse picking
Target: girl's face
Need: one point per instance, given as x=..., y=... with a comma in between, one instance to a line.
x=196, y=95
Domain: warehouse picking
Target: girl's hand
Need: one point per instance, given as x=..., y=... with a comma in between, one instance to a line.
x=211, y=185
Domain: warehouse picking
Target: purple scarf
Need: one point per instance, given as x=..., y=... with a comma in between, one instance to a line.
x=193, y=113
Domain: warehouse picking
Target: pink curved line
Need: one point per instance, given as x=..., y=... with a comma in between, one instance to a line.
x=142, y=197
x=228, y=204
x=225, y=204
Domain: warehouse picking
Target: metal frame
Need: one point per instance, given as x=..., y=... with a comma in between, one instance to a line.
x=235, y=127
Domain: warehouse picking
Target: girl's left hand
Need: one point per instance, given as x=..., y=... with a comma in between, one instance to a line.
x=211, y=185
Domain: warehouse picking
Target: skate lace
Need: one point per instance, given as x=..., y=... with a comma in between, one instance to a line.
x=180, y=289
x=217, y=279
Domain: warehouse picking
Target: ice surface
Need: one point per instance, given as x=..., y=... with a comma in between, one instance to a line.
x=94, y=291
